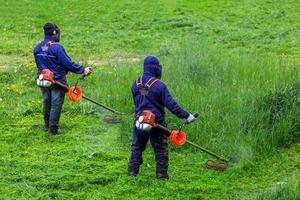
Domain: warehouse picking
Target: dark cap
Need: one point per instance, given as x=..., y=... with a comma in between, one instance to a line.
x=50, y=27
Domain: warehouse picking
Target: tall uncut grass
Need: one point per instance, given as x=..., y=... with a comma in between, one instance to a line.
x=248, y=102
x=283, y=192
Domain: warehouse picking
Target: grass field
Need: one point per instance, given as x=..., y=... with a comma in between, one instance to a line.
x=234, y=62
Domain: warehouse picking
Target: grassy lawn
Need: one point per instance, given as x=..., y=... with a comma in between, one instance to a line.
x=234, y=62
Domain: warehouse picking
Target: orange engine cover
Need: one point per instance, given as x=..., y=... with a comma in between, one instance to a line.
x=147, y=117
x=46, y=74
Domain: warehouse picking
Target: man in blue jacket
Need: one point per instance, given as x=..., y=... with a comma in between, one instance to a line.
x=50, y=55
x=150, y=93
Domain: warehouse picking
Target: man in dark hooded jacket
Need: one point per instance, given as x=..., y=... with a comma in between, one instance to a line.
x=155, y=99
x=50, y=55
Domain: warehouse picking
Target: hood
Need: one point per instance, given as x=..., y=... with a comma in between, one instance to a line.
x=152, y=67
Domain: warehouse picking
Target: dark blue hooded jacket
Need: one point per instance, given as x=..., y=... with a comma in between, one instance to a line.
x=51, y=55
x=158, y=96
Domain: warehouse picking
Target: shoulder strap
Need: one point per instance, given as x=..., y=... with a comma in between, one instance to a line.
x=151, y=81
x=50, y=43
x=139, y=83
x=148, y=85
x=43, y=51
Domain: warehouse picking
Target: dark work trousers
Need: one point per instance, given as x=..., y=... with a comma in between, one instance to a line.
x=53, y=99
x=159, y=143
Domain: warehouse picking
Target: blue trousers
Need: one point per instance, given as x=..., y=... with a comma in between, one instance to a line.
x=53, y=99
x=159, y=143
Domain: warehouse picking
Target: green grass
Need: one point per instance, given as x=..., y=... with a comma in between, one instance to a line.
x=284, y=191
x=234, y=62
x=87, y=162
x=97, y=30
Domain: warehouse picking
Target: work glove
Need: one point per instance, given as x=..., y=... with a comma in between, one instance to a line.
x=190, y=119
x=87, y=71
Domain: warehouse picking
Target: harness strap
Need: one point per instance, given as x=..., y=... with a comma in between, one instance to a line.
x=149, y=83
x=44, y=49
x=147, y=86
x=50, y=43
x=139, y=83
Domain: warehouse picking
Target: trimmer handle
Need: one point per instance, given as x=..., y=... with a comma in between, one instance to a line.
x=82, y=76
x=61, y=85
x=79, y=79
x=163, y=128
x=167, y=130
x=186, y=122
x=196, y=115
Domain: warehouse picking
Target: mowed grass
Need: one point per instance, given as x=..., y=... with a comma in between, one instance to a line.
x=236, y=63
x=88, y=162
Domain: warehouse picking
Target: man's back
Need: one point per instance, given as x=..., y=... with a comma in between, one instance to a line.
x=46, y=57
x=153, y=100
x=150, y=96
x=158, y=95
x=51, y=55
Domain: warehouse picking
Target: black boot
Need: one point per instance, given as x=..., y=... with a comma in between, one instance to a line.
x=162, y=170
x=52, y=132
x=133, y=169
x=162, y=175
x=46, y=121
x=46, y=128
x=53, y=129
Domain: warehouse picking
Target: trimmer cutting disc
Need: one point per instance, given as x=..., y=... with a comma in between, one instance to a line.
x=113, y=118
x=218, y=165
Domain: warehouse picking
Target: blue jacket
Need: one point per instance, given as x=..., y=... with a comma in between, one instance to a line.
x=52, y=56
x=158, y=97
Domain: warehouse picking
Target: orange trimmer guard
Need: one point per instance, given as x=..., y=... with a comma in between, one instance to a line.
x=75, y=94
x=177, y=138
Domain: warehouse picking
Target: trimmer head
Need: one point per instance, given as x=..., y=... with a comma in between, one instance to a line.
x=218, y=165
x=113, y=118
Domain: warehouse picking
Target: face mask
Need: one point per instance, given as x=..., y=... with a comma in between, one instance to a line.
x=159, y=67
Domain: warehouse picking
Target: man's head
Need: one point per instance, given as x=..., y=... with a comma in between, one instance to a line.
x=152, y=67
x=53, y=30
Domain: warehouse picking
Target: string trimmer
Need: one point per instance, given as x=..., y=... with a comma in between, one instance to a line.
x=178, y=138
x=75, y=94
